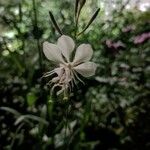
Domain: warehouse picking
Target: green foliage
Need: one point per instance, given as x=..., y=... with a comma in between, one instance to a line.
x=31, y=98
x=110, y=112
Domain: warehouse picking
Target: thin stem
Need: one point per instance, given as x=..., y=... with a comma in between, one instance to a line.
x=40, y=54
x=76, y=28
x=21, y=36
x=35, y=24
x=76, y=19
x=66, y=125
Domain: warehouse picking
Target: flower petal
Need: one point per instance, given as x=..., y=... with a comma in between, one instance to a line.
x=84, y=53
x=66, y=45
x=52, y=52
x=86, y=69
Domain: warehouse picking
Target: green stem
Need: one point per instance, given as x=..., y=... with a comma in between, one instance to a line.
x=66, y=125
x=21, y=36
x=35, y=24
x=76, y=28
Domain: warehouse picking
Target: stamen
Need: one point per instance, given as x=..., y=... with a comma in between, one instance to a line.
x=62, y=79
x=50, y=83
x=47, y=74
x=54, y=86
x=60, y=91
x=73, y=79
x=78, y=77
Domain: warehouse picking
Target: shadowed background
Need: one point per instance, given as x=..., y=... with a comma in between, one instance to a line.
x=109, y=112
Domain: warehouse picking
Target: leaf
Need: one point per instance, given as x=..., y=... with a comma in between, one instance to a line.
x=32, y=117
x=31, y=99
x=10, y=110
x=55, y=23
x=91, y=20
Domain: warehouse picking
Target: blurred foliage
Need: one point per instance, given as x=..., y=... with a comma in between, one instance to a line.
x=110, y=112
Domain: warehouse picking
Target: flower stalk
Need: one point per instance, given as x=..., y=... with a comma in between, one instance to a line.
x=55, y=23
x=35, y=24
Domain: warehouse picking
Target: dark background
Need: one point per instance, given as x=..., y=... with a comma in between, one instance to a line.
x=109, y=112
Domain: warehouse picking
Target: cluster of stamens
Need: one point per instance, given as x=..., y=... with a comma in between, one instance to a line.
x=65, y=79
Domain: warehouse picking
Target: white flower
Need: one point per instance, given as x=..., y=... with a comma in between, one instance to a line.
x=68, y=70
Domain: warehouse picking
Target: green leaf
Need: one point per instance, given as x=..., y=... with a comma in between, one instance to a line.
x=10, y=110
x=31, y=98
x=30, y=117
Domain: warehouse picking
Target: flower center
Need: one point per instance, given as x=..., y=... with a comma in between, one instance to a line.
x=69, y=65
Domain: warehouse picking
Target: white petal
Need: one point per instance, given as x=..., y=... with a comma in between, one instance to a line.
x=66, y=45
x=52, y=52
x=86, y=69
x=84, y=53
